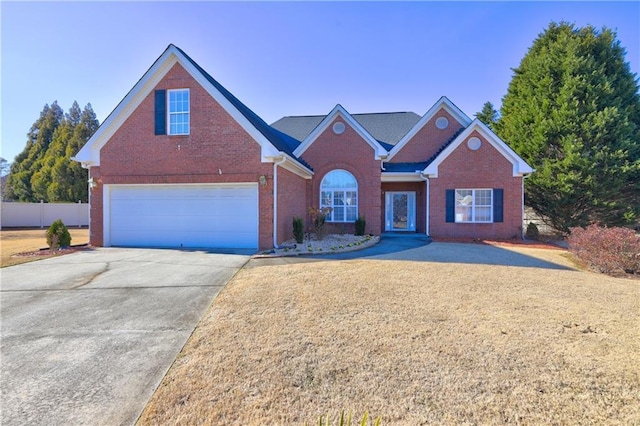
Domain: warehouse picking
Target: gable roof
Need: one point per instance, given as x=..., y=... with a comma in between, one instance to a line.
x=281, y=141
x=386, y=127
x=339, y=111
x=520, y=167
x=442, y=103
x=273, y=143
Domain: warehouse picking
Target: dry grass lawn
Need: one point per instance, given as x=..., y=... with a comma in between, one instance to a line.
x=13, y=241
x=412, y=342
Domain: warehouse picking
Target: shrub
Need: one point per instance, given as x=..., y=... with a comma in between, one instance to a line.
x=607, y=250
x=318, y=218
x=298, y=229
x=532, y=231
x=58, y=235
x=360, y=225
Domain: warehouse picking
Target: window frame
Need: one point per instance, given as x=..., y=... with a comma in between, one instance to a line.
x=171, y=113
x=344, y=207
x=473, y=206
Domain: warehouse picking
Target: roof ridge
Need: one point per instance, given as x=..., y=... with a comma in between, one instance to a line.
x=386, y=112
x=359, y=113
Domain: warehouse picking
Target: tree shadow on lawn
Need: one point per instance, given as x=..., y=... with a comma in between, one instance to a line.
x=420, y=250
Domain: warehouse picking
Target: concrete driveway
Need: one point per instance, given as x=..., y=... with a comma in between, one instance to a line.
x=87, y=337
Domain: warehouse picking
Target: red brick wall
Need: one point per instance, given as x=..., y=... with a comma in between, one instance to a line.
x=347, y=151
x=217, y=150
x=467, y=169
x=292, y=201
x=420, y=189
x=428, y=140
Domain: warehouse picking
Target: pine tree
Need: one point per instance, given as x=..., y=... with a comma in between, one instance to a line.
x=488, y=115
x=572, y=111
x=44, y=170
x=4, y=171
x=30, y=159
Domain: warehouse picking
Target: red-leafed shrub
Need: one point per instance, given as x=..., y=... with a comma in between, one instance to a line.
x=608, y=250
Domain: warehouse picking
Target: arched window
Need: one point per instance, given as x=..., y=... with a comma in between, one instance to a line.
x=339, y=190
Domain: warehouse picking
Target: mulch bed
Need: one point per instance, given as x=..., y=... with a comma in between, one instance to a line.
x=46, y=252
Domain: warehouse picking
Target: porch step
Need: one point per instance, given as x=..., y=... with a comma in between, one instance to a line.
x=415, y=235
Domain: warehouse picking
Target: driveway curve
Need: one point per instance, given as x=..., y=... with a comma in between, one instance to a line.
x=419, y=248
x=87, y=337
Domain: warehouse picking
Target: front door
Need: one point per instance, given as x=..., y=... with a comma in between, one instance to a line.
x=400, y=211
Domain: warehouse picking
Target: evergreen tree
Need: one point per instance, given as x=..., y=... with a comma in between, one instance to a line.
x=572, y=111
x=44, y=170
x=4, y=167
x=4, y=171
x=488, y=115
x=29, y=160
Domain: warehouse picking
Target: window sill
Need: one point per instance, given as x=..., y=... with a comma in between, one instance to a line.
x=474, y=223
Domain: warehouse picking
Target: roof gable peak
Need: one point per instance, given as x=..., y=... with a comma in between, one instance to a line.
x=520, y=167
x=273, y=143
x=340, y=111
x=442, y=103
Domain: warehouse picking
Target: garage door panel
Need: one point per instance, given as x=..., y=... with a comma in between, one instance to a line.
x=184, y=216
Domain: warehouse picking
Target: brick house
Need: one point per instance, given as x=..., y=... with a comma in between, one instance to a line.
x=181, y=162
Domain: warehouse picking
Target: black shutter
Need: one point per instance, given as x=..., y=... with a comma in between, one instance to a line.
x=161, y=112
x=498, y=204
x=451, y=205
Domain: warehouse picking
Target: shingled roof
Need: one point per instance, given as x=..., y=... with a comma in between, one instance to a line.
x=282, y=141
x=413, y=167
x=386, y=127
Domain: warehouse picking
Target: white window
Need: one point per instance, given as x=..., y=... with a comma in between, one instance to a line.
x=339, y=191
x=474, y=205
x=179, y=112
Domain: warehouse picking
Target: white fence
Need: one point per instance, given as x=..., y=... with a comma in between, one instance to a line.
x=28, y=215
x=531, y=216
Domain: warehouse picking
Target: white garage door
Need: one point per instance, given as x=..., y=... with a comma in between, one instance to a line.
x=215, y=216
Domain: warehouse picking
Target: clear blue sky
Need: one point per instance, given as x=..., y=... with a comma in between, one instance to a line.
x=283, y=58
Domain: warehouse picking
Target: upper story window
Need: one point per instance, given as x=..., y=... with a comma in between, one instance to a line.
x=178, y=107
x=474, y=205
x=339, y=191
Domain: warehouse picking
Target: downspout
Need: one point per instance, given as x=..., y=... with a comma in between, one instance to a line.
x=427, y=196
x=89, y=184
x=524, y=232
x=275, y=200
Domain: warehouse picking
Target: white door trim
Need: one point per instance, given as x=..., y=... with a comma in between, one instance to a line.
x=411, y=211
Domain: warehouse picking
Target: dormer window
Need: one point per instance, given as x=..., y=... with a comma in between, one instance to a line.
x=178, y=108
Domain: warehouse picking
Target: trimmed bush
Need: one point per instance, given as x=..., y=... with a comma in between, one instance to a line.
x=360, y=225
x=298, y=229
x=318, y=218
x=58, y=235
x=532, y=231
x=608, y=250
